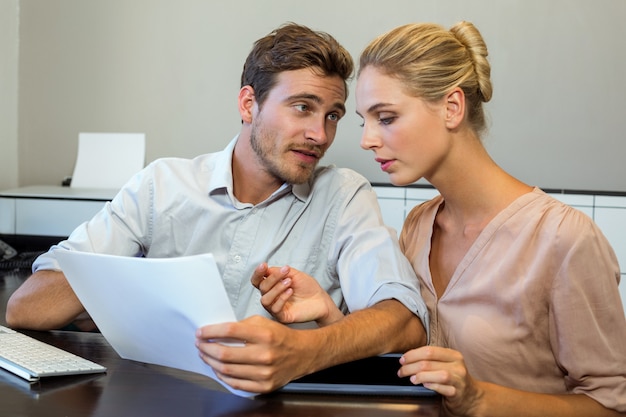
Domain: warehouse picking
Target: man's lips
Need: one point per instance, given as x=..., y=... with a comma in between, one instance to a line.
x=307, y=154
x=385, y=163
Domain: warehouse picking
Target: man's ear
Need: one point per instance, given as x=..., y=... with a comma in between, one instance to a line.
x=455, y=108
x=246, y=103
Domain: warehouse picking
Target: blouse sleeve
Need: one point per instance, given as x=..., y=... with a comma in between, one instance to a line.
x=586, y=315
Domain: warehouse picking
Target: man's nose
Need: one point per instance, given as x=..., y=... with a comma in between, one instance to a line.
x=317, y=132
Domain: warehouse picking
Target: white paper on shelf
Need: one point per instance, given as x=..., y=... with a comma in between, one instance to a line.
x=108, y=160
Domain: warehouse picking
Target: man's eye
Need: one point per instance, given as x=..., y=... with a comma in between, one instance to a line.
x=302, y=107
x=334, y=117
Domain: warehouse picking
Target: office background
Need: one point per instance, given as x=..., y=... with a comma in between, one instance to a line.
x=171, y=69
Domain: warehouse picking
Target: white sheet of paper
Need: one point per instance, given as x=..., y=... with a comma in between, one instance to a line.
x=149, y=309
x=108, y=160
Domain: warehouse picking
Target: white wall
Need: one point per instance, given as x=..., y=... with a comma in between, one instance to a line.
x=8, y=92
x=171, y=69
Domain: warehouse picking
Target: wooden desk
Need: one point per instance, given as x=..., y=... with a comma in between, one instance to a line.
x=136, y=389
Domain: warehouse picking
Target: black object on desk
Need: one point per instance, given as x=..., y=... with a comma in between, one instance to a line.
x=12, y=258
x=6, y=251
x=369, y=376
x=22, y=260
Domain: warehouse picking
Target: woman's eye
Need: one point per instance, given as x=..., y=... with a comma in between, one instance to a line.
x=386, y=120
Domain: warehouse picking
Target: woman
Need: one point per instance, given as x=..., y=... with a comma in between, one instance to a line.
x=525, y=313
x=521, y=289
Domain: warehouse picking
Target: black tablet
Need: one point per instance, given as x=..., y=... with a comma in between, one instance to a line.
x=376, y=375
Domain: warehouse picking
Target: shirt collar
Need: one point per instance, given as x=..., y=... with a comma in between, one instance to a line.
x=301, y=191
x=222, y=175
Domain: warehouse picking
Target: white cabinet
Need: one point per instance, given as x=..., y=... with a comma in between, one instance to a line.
x=49, y=210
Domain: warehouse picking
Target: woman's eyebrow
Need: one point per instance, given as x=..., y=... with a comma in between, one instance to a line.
x=374, y=107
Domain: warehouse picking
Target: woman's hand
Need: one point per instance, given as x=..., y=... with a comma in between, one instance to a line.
x=444, y=371
x=292, y=296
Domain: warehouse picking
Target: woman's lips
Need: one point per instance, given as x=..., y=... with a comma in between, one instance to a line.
x=385, y=163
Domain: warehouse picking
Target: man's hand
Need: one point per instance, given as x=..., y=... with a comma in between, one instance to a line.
x=267, y=359
x=273, y=354
x=292, y=296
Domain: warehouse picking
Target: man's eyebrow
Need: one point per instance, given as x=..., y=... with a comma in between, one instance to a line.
x=305, y=96
x=341, y=107
x=312, y=97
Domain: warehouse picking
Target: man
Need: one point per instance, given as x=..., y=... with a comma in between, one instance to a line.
x=262, y=201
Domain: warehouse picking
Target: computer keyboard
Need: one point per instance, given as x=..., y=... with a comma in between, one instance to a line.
x=32, y=359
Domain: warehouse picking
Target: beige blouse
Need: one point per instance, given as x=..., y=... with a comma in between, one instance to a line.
x=534, y=304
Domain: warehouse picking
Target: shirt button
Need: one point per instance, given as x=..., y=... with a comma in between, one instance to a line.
x=237, y=258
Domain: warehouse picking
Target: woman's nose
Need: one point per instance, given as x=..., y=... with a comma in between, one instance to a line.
x=368, y=139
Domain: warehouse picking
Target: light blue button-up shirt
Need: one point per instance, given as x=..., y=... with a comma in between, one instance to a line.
x=331, y=228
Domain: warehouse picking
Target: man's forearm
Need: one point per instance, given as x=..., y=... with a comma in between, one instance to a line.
x=383, y=328
x=44, y=301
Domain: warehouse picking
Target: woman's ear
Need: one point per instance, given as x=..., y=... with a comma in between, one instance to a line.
x=455, y=108
x=246, y=103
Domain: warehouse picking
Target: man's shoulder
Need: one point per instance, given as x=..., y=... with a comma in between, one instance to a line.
x=343, y=176
x=199, y=162
x=334, y=190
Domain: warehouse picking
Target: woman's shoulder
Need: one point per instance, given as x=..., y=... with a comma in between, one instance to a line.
x=416, y=213
x=421, y=218
x=556, y=214
x=567, y=227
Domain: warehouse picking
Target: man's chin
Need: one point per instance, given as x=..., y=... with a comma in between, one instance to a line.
x=301, y=177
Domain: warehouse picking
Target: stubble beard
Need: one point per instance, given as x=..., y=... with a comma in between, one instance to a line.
x=270, y=156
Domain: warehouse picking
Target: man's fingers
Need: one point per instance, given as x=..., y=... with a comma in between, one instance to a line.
x=272, y=277
x=258, y=276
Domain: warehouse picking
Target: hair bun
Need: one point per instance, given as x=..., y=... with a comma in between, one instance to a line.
x=470, y=37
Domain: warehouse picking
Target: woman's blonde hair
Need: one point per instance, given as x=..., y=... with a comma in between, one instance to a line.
x=431, y=61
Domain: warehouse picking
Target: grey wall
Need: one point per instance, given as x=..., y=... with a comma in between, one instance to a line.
x=8, y=92
x=171, y=69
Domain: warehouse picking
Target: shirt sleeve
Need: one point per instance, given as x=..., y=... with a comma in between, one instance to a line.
x=371, y=266
x=119, y=228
